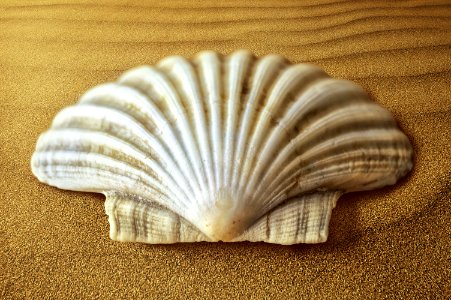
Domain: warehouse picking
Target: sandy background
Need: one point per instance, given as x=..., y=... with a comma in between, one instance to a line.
x=393, y=242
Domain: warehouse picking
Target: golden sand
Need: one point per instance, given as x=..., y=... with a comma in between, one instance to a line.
x=393, y=242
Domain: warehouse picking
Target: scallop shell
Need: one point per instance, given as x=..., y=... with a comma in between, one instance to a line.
x=217, y=148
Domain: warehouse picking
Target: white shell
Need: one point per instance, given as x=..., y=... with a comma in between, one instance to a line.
x=222, y=148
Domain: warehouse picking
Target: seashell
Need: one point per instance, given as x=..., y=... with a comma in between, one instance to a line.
x=216, y=148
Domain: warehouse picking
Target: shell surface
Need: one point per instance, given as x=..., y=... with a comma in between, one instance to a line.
x=230, y=148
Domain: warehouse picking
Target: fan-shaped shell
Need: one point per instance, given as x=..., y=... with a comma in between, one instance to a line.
x=222, y=148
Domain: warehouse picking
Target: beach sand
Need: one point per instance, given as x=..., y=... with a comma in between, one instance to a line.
x=394, y=242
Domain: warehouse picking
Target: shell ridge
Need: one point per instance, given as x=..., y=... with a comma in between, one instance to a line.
x=209, y=68
x=152, y=113
x=186, y=135
x=338, y=118
x=102, y=139
x=239, y=66
x=158, y=82
x=284, y=125
x=207, y=131
x=359, y=112
x=53, y=162
x=56, y=174
x=183, y=77
x=63, y=119
x=373, y=164
x=279, y=92
x=325, y=147
x=264, y=72
x=219, y=221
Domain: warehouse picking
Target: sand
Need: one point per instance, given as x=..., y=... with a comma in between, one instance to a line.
x=394, y=242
